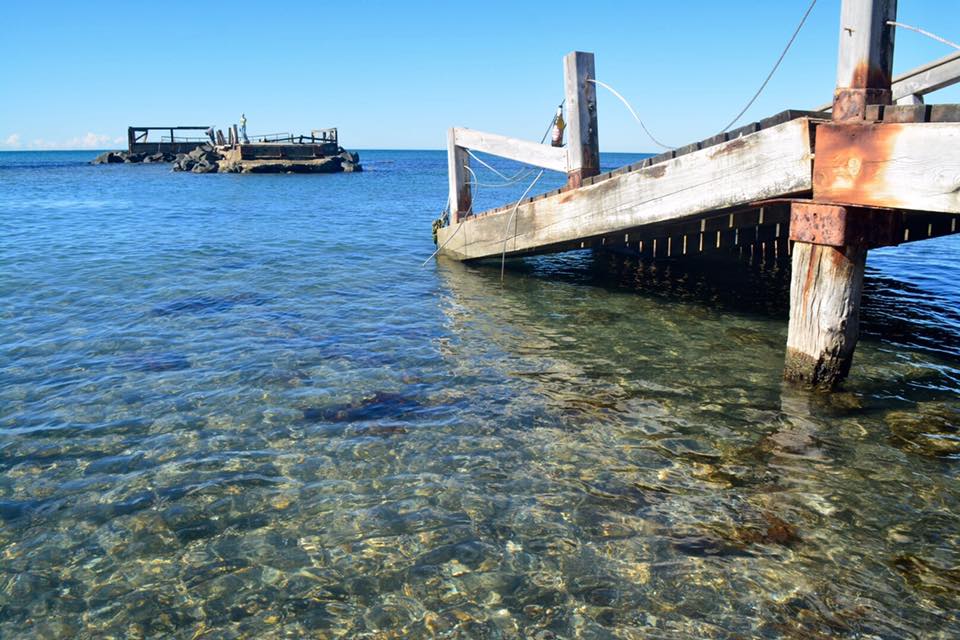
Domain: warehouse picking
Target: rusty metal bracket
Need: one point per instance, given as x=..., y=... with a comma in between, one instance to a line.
x=851, y=105
x=842, y=225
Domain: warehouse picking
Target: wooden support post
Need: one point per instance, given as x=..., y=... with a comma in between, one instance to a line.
x=865, y=63
x=457, y=163
x=825, y=289
x=583, y=147
x=829, y=257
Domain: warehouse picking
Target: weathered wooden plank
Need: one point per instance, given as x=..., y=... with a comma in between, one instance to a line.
x=904, y=113
x=922, y=80
x=768, y=164
x=583, y=146
x=538, y=155
x=944, y=113
x=899, y=166
x=927, y=78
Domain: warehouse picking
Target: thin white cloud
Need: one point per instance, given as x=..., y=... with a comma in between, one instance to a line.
x=89, y=140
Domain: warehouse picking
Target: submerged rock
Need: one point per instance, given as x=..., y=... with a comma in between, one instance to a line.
x=378, y=406
x=932, y=430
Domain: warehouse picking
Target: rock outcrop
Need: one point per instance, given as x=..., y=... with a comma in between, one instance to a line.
x=208, y=159
x=115, y=157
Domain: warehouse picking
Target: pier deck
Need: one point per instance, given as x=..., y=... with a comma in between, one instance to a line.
x=820, y=187
x=716, y=194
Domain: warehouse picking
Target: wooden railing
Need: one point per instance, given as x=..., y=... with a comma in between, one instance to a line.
x=910, y=87
x=580, y=159
x=137, y=135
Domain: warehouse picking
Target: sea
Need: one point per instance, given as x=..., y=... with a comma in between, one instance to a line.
x=254, y=406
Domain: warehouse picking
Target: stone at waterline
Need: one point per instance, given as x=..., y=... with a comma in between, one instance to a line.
x=108, y=157
x=205, y=166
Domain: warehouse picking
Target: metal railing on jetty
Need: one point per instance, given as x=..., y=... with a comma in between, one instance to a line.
x=820, y=188
x=316, y=136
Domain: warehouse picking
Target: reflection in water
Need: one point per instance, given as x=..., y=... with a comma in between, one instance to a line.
x=260, y=432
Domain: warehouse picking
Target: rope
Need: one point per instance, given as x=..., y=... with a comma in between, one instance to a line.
x=924, y=33
x=473, y=194
x=522, y=173
x=774, y=69
x=506, y=231
x=632, y=112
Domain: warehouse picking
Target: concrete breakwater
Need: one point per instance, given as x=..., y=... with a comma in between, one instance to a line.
x=209, y=159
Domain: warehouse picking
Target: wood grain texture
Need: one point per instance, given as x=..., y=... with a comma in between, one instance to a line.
x=825, y=289
x=865, y=55
x=928, y=78
x=583, y=146
x=913, y=166
x=538, y=155
x=771, y=163
x=457, y=175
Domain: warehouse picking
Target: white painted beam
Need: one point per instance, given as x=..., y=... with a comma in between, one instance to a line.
x=532, y=153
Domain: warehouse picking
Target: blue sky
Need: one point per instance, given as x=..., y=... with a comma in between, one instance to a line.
x=396, y=75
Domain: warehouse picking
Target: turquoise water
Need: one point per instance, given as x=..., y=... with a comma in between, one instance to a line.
x=237, y=406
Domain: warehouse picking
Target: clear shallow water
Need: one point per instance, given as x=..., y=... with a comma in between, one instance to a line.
x=236, y=406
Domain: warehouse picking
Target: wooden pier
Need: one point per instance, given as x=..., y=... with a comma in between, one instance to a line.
x=821, y=187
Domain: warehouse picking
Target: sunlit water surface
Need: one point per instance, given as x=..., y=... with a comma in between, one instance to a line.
x=237, y=406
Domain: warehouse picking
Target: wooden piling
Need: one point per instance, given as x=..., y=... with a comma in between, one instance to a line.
x=865, y=58
x=583, y=146
x=827, y=274
x=457, y=162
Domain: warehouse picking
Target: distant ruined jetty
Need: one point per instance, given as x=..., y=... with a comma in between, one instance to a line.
x=318, y=152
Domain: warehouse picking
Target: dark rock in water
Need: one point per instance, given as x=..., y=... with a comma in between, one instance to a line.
x=188, y=523
x=116, y=464
x=350, y=161
x=707, y=546
x=933, y=430
x=13, y=509
x=183, y=162
x=204, y=166
x=929, y=575
x=208, y=304
x=109, y=157
x=156, y=362
x=378, y=406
